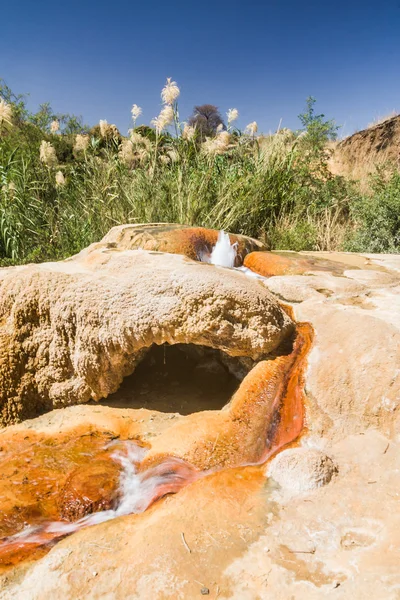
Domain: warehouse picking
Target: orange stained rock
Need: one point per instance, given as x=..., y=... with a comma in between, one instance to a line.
x=269, y=264
x=80, y=496
x=90, y=488
x=265, y=414
x=290, y=407
x=15, y=552
x=194, y=242
x=34, y=469
x=68, y=475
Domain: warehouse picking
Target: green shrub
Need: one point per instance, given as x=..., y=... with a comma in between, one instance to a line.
x=377, y=217
x=295, y=236
x=277, y=188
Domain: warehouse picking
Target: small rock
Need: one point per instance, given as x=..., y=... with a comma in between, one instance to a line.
x=302, y=469
x=204, y=591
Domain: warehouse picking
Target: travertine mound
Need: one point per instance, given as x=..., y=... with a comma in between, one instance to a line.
x=193, y=242
x=71, y=331
x=234, y=531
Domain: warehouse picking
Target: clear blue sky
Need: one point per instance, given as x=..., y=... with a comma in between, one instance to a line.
x=97, y=58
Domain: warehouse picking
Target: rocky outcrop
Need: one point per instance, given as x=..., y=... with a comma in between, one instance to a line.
x=71, y=331
x=193, y=242
x=319, y=519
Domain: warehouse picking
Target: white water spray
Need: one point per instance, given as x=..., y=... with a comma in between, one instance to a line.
x=224, y=254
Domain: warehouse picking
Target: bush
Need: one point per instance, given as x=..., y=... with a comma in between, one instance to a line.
x=277, y=188
x=377, y=217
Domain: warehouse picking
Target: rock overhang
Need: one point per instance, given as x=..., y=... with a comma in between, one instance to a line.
x=72, y=330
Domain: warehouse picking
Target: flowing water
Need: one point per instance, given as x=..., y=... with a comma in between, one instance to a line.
x=137, y=491
x=138, y=488
x=224, y=253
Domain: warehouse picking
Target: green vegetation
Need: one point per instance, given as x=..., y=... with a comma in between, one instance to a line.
x=64, y=185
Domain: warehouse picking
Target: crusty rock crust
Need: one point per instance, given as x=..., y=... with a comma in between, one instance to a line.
x=71, y=331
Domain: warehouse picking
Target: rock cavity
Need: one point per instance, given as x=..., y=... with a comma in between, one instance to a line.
x=71, y=331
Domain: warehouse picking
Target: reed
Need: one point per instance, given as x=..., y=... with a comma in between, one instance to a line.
x=61, y=191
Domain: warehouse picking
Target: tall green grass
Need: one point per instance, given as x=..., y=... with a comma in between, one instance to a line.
x=277, y=188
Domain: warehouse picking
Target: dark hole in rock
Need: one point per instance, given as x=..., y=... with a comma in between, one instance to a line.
x=181, y=378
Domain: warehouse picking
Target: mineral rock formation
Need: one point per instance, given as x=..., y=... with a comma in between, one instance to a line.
x=71, y=331
x=270, y=264
x=301, y=469
x=193, y=242
x=243, y=532
x=90, y=489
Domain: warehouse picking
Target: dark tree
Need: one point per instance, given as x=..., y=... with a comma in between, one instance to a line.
x=206, y=119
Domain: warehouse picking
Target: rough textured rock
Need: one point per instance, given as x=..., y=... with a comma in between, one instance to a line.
x=35, y=468
x=71, y=331
x=193, y=242
x=246, y=540
x=301, y=469
x=353, y=379
x=235, y=531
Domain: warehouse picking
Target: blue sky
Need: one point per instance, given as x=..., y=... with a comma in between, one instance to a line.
x=263, y=57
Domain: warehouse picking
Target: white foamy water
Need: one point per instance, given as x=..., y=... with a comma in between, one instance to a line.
x=137, y=491
x=224, y=253
x=252, y=274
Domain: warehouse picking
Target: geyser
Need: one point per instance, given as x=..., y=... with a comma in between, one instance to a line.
x=224, y=253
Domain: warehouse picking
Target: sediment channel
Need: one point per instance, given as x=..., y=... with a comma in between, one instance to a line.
x=52, y=485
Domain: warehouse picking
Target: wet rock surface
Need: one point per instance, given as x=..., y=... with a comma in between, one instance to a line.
x=45, y=478
x=91, y=488
x=269, y=264
x=319, y=519
x=194, y=242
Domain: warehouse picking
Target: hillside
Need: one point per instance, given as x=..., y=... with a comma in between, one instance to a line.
x=358, y=155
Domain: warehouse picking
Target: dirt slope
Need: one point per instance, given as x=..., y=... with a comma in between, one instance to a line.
x=357, y=155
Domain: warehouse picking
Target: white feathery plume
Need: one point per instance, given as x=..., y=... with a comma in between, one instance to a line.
x=54, y=126
x=60, y=179
x=5, y=112
x=136, y=111
x=47, y=154
x=232, y=115
x=170, y=92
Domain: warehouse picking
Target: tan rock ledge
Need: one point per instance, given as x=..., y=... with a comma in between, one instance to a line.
x=71, y=331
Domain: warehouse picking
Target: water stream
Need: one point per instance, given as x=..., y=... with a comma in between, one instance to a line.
x=138, y=489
